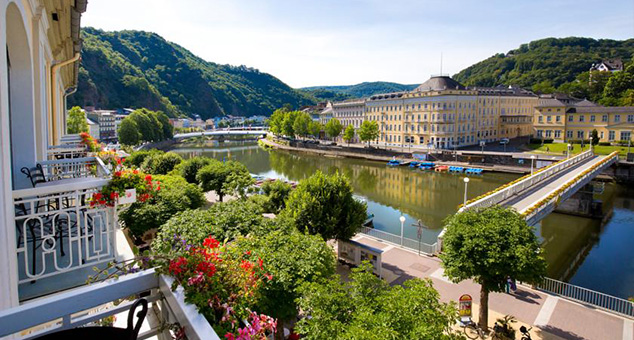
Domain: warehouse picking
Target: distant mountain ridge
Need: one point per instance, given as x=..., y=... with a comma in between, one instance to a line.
x=361, y=90
x=140, y=69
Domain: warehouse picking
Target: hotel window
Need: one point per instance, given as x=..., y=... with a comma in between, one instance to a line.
x=541, y=119
x=630, y=118
x=540, y=133
x=604, y=118
x=601, y=135
x=617, y=118
x=568, y=134
x=549, y=133
x=593, y=118
x=557, y=134
x=580, y=134
x=582, y=118
x=626, y=135
x=549, y=119
x=571, y=118
x=558, y=119
x=611, y=135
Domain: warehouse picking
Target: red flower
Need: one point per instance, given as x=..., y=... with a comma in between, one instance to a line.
x=230, y=336
x=211, y=242
x=260, y=263
x=176, y=267
x=269, y=276
x=136, y=171
x=117, y=174
x=148, y=178
x=207, y=268
x=97, y=196
x=246, y=265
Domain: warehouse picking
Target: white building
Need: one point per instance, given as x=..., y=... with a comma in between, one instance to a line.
x=349, y=112
x=50, y=237
x=93, y=128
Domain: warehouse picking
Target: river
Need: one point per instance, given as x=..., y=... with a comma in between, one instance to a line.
x=587, y=252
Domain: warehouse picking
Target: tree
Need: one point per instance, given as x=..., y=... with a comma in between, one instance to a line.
x=224, y=178
x=289, y=122
x=315, y=128
x=166, y=128
x=369, y=131
x=275, y=122
x=488, y=246
x=128, y=132
x=366, y=307
x=348, y=134
x=189, y=168
x=161, y=163
x=333, y=128
x=293, y=259
x=277, y=193
x=324, y=205
x=301, y=124
x=595, y=137
x=545, y=86
x=77, y=120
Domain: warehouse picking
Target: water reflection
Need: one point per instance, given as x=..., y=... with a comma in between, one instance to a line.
x=426, y=196
x=591, y=253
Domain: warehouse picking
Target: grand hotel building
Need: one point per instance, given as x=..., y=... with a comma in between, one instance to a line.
x=441, y=113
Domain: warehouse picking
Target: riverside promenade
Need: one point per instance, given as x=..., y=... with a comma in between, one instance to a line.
x=550, y=316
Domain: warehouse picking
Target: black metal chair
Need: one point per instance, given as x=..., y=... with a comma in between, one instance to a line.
x=106, y=333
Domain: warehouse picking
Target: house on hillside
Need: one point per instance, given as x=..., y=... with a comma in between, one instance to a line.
x=611, y=65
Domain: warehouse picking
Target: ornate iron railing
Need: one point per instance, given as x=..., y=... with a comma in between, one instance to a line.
x=58, y=231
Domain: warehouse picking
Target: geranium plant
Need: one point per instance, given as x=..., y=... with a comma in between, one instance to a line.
x=222, y=281
x=224, y=284
x=122, y=180
x=91, y=143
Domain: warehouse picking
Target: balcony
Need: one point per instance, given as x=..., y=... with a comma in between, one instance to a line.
x=85, y=305
x=59, y=236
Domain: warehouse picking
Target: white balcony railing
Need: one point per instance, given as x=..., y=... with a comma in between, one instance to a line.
x=57, y=230
x=66, y=151
x=85, y=305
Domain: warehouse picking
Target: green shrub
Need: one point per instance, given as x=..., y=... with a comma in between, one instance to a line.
x=225, y=178
x=161, y=164
x=176, y=195
x=189, y=168
x=224, y=221
x=137, y=158
x=277, y=192
x=605, y=143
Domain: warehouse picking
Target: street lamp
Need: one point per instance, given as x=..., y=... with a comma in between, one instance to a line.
x=568, y=151
x=466, y=184
x=532, y=159
x=402, y=219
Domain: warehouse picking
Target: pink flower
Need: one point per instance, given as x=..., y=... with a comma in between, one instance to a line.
x=230, y=336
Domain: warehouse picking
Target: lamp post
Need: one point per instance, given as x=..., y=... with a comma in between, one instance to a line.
x=466, y=184
x=532, y=160
x=402, y=219
x=568, y=151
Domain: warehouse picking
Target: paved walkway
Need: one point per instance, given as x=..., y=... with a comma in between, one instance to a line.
x=552, y=317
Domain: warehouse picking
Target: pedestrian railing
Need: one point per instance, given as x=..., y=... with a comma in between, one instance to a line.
x=415, y=245
x=604, y=301
x=520, y=185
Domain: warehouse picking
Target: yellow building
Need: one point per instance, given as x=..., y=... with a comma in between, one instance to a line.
x=566, y=119
x=441, y=113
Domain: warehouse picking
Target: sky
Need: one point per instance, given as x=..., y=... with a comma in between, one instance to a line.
x=344, y=42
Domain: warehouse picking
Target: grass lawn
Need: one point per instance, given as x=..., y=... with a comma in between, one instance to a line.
x=560, y=149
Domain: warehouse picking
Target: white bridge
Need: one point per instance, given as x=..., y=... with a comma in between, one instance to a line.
x=537, y=195
x=223, y=133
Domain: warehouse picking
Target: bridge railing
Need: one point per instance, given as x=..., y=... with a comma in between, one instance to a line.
x=405, y=242
x=587, y=296
x=562, y=193
x=526, y=182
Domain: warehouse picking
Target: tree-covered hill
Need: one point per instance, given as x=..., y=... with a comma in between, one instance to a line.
x=140, y=69
x=361, y=90
x=550, y=62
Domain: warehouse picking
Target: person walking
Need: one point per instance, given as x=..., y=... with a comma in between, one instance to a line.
x=508, y=285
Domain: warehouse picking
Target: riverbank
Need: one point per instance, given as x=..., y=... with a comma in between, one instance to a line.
x=385, y=155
